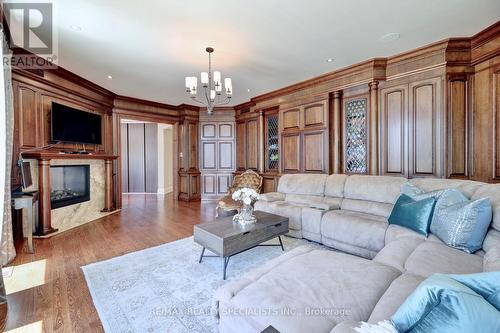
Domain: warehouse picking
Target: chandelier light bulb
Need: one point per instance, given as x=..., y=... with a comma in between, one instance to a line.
x=212, y=95
x=217, y=77
x=204, y=78
x=228, y=85
x=188, y=83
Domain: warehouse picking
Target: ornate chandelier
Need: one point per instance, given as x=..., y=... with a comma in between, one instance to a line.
x=212, y=86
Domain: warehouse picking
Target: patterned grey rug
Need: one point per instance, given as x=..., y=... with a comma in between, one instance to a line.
x=164, y=288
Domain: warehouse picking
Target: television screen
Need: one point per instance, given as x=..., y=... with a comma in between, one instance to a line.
x=76, y=126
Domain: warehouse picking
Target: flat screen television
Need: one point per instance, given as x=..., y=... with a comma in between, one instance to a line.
x=74, y=126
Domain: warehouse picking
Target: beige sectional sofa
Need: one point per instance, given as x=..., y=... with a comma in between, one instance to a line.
x=319, y=290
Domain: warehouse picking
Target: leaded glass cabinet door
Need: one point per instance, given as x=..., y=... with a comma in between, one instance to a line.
x=355, y=136
x=272, y=142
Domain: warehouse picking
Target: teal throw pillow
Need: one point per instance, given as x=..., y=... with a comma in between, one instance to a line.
x=444, y=304
x=413, y=214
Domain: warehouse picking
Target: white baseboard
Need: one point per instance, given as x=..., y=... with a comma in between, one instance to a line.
x=165, y=190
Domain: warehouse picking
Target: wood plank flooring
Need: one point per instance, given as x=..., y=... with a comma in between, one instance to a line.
x=63, y=302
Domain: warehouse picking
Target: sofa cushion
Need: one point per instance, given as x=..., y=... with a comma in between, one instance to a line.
x=467, y=187
x=355, y=228
x=433, y=257
x=396, y=253
x=369, y=207
x=395, y=232
x=291, y=210
x=311, y=223
x=373, y=188
x=491, y=191
x=304, y=198
x=334, y=186
x=394, y=296
x=272, y=196
x=339, y=286
x=413, y=214
x=310, y=184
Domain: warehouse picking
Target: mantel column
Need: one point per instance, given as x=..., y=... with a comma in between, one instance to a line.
x=44, y=209
x=108, y=195
x=373, y=154
x=336, y=129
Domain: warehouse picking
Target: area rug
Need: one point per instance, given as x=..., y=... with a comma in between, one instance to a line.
x=164, y=288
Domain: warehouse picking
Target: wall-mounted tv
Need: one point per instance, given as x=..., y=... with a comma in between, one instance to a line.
x=75, y=126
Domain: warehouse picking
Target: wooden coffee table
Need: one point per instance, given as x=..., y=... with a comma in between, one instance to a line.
x=226, y=238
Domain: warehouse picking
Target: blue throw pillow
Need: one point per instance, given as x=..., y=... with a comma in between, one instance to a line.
x=485, y=284
x=461, y=223
x=442, y=304
x=413, y=214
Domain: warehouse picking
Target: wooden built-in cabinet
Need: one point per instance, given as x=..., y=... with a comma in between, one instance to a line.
x=217, y=153
x=247, y=141
x=411, y=129
x=189, y=173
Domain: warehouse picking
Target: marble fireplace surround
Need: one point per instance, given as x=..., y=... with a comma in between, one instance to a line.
x=53, y=221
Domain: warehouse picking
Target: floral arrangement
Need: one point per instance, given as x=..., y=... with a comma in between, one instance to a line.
x=246, y=196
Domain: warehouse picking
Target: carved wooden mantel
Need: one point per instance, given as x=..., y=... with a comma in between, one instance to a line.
x=44, y=158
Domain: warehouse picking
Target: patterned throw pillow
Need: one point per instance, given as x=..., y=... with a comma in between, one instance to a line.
x=457, y=221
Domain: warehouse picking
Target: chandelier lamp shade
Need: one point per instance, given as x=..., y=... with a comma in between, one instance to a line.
x=211, y=82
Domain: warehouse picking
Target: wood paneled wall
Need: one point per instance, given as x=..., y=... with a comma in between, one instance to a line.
x=432, y=112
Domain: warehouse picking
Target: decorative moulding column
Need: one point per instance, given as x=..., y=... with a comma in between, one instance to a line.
x=108, y=195
x=336, y=132
x=373, y=139
x=44, y=208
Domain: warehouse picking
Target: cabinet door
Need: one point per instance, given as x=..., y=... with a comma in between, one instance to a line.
x=225, y=131
x=291, y=152
x=136, y=174
x=393, y=130
x=252, y=144
x=208, y=131
x=355, y=126
x=291, y=119
x=208, y=155
x=225, y=153
x=223, y=184
x=424, y=128
x=209, y=186
x=315, y=156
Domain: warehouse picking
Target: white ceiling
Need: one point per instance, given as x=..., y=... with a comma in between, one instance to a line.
x=150, y=46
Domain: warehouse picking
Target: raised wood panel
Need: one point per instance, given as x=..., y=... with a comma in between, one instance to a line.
x=194, y=185
x=208, y=131
x=314, y=115
x=226, y=155
x=137, y=179
x=458, y=128
x=268, y=184
x=241, y=146
x=226, y=131
x=28, y=117
x=291, y=152
x=314, y=152
x=252, y=144
x=209, y=184
x=223, y=183
x=422, y=128
x=208, y=155
x=291, y=119
x=193, y=145
x=393, y=130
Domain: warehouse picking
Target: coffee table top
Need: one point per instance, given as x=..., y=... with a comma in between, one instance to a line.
x=224, y=227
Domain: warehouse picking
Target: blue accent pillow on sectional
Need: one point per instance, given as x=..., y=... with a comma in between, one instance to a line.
x=442, y=303
x=413, y=214
x=461, y=224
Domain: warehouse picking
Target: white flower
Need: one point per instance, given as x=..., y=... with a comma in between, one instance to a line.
x=247, y=200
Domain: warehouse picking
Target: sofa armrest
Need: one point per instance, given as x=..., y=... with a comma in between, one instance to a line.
x=272, y=196
x=324, y=205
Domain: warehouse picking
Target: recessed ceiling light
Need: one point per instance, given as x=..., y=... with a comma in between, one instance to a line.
x=329, y=60
x=390, y=37
x=248, y=89
x=110, y=77
x=75, y=27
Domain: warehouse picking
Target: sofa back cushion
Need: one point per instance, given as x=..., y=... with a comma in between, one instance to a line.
x=384, y=189
x=369, y=207
x=467, y=187
x=307, y=184
x=491, y=191
x=334, y=186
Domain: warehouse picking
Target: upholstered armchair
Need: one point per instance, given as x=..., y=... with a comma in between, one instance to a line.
x=227, y=206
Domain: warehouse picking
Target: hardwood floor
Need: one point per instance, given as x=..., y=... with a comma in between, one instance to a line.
x=63, y=302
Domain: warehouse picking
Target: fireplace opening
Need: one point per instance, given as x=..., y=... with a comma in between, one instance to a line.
x=69, y=185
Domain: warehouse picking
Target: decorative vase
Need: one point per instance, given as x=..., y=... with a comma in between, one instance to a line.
x=246, y=213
